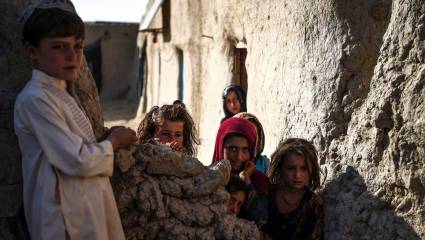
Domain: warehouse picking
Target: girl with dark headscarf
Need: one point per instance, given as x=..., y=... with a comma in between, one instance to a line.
x=234, y=101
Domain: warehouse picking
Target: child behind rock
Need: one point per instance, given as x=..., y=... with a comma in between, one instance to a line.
x=172, y=125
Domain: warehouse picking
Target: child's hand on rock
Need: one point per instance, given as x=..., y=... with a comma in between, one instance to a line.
x=121, y=137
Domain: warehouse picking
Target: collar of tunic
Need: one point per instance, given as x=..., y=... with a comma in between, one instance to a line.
x=42, y=77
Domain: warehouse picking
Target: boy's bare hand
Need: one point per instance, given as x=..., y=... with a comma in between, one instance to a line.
x=106, y=133
x=121, y=137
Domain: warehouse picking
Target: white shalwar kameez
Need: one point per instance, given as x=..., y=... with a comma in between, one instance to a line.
x=67, y=193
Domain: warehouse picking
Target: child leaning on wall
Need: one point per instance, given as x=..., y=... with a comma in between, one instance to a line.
x=66, y=170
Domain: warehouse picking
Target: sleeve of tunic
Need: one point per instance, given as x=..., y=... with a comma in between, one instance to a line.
x=64, y=149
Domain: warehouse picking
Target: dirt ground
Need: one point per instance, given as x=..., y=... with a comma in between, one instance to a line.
x=122, y=112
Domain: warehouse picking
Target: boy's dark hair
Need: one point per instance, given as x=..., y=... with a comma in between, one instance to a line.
x=236, y=184
x=51, y=23
x=299, y=147
x=175, y=112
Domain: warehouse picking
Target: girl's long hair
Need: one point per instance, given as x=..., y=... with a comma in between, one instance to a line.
x=299, y=147
x=175, y=112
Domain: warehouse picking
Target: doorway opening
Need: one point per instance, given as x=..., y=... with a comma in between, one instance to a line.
x=240, y=76
x=180, y=58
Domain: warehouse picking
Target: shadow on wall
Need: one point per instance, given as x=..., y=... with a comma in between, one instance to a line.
x=351, y=212
x=363, y=25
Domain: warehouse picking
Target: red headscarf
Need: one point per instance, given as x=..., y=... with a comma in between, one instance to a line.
x=235, y=125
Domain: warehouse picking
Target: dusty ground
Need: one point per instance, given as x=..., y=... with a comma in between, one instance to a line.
x=122, y=112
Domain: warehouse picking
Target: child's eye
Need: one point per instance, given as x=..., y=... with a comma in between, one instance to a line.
x=79, y=46
x=233, y=149
x=58, y=46
x=166, y=134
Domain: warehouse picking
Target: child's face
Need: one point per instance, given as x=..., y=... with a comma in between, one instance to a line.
x=170, y=131
x=232, y=103
x=58, y=57
x=294, y=172
x=236, y=150
x=236, y=201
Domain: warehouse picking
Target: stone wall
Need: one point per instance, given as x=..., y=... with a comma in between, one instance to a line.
x=348, y=75
x=163, y=194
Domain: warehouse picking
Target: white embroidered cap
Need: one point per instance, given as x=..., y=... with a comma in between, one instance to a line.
x=65, y=5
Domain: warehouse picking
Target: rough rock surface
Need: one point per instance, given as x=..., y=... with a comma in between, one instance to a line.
x=163, y=194
x=350, y=76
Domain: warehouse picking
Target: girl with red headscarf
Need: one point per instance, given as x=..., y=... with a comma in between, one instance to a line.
x=236, y=141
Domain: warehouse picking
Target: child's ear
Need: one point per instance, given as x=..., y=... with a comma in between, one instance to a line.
x=31, y=51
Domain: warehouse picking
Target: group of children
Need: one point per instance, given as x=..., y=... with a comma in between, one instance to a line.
x=66, y=170
x=278, y=195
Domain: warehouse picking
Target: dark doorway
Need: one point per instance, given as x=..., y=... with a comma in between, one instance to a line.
x=180, y=57
x=240, y=76
x=143, y=70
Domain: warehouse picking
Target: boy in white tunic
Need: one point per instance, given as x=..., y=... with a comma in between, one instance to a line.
x=67, y=193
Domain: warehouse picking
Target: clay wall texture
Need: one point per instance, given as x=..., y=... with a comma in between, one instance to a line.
x=347, y=75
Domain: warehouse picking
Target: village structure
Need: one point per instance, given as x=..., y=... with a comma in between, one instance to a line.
x=347, y=75
x=106, y=42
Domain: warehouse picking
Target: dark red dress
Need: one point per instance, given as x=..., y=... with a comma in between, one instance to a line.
x=304, y=223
